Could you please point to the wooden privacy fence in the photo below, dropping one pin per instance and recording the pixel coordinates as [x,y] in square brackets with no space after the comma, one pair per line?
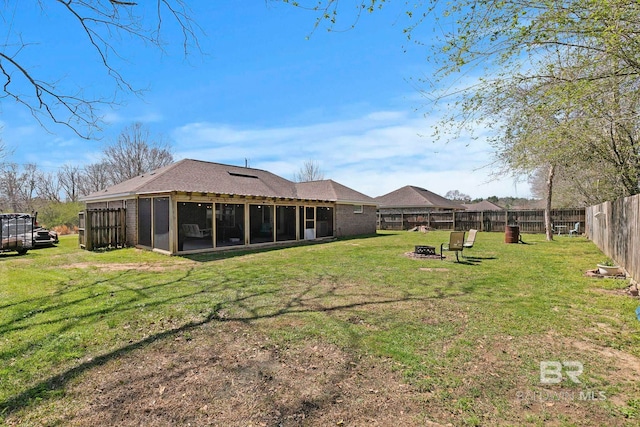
[102,228]
[615,228]
[529,220]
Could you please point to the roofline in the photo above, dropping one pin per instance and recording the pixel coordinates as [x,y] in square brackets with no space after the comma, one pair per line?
[420,207]
[110,197]
[356,202]
[133,195]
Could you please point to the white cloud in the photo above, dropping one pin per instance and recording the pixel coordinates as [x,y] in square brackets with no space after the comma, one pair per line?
[374,154]
[113,118]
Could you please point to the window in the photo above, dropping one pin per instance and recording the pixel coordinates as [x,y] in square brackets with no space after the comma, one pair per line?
[324,222]
[309,223]
[194,226]
[285,223]
[144,222]
[261,223]
[229,224]
[300,222]
[161,223]
[358,209]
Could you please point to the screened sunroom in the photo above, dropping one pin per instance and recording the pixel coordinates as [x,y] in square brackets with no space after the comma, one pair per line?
[193,206]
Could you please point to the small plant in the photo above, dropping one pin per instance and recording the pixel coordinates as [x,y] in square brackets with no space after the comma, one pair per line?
[608,267]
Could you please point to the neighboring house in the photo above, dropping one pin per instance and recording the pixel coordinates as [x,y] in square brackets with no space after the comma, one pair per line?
[484,205]
[414,198]
[410,206]
[195,206]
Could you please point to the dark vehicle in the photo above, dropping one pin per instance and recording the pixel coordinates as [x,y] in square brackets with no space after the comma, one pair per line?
[16,232]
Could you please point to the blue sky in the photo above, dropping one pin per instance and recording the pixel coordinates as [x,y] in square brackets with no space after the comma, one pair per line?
[266,88]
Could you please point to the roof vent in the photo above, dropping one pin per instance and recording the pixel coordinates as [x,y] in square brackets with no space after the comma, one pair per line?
[242,175]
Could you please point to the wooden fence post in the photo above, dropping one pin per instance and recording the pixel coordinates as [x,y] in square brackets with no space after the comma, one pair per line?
[81,229]
[88,231]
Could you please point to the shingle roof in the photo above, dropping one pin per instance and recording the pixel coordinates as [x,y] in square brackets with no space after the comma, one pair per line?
[331,190]
[415,197]
[484,205]
[198,176]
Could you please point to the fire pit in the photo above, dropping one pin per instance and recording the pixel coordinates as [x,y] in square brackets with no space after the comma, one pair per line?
[425,250]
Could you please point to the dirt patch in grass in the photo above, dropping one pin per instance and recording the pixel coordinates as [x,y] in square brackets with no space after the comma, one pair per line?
[500,382]
[623,366]
[228,374]
[620,292]
[231,373]
[630,290]
[176,265]
[414,255]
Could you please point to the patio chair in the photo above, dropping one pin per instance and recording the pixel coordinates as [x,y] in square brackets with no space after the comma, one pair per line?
[575,229]
[193,230]
[456,244]
[471,239]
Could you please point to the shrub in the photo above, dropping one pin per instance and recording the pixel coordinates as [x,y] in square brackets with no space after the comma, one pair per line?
[56,214]
[65,229]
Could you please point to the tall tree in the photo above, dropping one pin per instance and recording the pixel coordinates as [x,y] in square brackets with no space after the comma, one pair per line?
[135,152]
[69,182]
[3,152]
[457,196]
[94,177]
[536,125]
[18,187]
[105,27]
[48,186]
[581,55]
[310,171]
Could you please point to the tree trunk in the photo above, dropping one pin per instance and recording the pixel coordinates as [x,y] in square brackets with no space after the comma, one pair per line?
[547,209]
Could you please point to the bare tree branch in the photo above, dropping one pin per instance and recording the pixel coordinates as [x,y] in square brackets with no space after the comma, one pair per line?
[135,152]
[103,23]
[310,171]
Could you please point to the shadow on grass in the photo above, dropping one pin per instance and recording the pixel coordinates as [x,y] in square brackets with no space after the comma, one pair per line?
[468,261]
[11,255]
[313,297]
[471,260]
[479,258]
[10,326]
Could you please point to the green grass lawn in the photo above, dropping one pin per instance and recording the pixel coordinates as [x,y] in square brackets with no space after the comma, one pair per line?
[467,338]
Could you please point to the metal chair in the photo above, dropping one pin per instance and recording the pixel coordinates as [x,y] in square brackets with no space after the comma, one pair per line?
[456,244]
[575,229]
[471,239]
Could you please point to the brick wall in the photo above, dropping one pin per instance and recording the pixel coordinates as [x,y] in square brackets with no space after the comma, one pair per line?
[349,223]
[132,222]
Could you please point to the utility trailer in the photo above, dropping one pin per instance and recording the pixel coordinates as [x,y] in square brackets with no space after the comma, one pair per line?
[16,232]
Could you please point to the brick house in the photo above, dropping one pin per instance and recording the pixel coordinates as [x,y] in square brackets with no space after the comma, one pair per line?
[197,206]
